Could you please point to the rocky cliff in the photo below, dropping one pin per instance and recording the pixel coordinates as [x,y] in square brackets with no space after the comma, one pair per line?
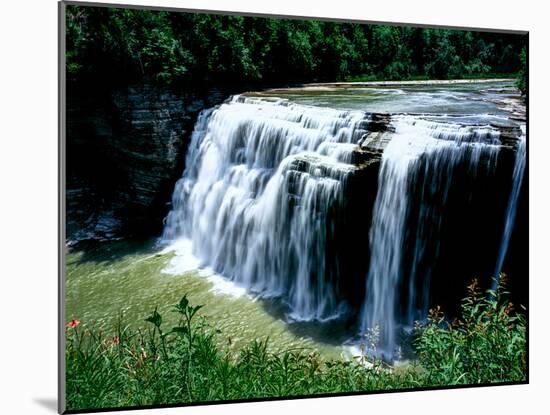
[125,150]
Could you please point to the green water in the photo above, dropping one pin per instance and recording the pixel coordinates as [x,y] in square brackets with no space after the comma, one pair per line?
[126,278]
[472,98]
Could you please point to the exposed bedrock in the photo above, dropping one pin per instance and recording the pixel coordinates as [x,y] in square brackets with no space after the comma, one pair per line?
[125,150]
[371,217]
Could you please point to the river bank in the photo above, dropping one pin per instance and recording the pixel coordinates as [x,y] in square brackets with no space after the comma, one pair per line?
[160,365]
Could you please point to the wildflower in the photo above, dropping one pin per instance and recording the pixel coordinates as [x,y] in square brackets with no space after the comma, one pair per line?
[73,324]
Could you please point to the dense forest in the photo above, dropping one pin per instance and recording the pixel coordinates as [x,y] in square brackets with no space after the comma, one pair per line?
[124,45]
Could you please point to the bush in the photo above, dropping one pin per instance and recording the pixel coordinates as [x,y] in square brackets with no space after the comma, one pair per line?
[486,344]
[521,81]
[185,364]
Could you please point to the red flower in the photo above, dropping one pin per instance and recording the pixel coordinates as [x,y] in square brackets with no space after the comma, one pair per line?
[73,324]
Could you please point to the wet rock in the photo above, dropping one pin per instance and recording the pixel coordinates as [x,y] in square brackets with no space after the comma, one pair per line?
[125,150]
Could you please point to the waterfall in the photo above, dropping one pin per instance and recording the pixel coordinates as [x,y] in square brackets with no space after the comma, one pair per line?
[266,182]
[263,179]
[418,167]
[517,179]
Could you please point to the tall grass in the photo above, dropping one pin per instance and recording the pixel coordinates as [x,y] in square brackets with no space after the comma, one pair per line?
[160,365]
[487,343]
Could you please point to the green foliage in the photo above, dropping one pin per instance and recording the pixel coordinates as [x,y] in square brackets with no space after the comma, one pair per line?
[486,344]
[121,45]
[521,81]
[185,364]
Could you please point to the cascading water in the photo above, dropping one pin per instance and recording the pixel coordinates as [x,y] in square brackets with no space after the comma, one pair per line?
[517,179]
[262,180]
[266,182]
[417,168]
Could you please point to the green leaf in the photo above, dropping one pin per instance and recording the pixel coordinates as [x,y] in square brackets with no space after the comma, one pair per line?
[179,330]
[184,302]
[155,318]
[194,310]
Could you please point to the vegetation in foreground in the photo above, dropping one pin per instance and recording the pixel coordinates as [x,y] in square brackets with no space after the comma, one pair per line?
[161,365]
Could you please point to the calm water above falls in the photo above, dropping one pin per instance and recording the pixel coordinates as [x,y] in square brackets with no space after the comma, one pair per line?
[477,100]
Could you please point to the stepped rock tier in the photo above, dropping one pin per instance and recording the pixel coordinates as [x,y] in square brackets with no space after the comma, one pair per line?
[366,217]
[362,205]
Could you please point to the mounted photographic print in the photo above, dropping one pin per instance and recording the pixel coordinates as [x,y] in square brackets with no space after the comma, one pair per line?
[275,207]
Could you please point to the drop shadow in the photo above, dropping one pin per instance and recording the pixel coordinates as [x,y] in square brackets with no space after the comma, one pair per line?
[48,403]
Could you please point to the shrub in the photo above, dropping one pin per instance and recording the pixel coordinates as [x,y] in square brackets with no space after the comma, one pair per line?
[521,80]
[185,364]
[486,344]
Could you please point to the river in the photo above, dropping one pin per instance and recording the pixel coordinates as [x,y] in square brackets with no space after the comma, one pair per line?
[259,231]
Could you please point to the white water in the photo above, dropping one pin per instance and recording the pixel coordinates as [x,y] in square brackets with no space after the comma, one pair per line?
[185,262]
[255,198]
[419,161]
[253,209]
[517,179]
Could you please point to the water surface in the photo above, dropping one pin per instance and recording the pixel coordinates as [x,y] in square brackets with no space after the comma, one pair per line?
[131,278]
[128,278]
[478,99]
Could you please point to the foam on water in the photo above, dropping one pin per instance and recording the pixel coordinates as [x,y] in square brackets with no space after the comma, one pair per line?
[417,168]
[184,262]
[254,209]
[255,200]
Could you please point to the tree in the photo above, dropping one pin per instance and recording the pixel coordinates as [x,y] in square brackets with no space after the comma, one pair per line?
[117,45]
[521,81]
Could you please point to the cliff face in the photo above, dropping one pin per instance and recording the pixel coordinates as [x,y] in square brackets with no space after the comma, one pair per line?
[125,150]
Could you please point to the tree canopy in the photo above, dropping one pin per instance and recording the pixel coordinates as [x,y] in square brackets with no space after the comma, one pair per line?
[127,45]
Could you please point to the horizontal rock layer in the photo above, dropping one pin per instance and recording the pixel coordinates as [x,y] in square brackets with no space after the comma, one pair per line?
[125,150]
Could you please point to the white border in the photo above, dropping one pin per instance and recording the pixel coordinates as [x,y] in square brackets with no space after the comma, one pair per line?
[28,163]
